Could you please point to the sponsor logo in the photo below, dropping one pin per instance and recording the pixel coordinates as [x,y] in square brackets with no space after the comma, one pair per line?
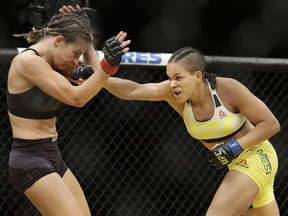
[222,114]
[142,58]
[243,163]
[30,174]
[223,160]
[265,161]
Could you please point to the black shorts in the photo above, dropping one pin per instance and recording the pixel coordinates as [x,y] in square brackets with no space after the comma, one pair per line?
[30,160]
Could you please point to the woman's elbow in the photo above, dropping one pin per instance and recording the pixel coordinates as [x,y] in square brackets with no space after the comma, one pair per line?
[275,126]
[78,102]
[278,126]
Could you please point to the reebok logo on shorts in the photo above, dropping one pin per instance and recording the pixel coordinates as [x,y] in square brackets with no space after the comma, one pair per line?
[243,163]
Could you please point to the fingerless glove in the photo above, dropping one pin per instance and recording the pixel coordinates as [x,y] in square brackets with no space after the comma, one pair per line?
[112,56]
[83,71]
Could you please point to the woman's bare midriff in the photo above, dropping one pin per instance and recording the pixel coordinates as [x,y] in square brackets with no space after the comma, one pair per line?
[33,128]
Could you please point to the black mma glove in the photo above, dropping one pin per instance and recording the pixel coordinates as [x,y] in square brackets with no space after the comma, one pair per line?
[223,154]
[82,71]
[112,56]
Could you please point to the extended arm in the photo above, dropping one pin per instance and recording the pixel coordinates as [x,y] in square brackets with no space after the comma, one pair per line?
[130,90]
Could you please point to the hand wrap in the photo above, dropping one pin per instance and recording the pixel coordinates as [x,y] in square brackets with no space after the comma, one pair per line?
[223,154]
[112,56]
[82,71]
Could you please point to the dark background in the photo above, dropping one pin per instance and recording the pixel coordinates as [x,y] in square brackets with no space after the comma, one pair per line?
[248,28]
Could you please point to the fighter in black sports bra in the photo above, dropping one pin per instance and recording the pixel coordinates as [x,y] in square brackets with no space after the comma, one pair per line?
[33,103]
[27,161]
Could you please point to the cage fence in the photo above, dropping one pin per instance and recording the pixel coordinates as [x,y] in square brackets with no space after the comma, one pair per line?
[135,158]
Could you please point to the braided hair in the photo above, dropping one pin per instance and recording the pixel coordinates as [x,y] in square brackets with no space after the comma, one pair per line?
[193,60]
[70,25]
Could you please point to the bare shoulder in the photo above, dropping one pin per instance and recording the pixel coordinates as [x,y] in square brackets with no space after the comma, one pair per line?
[27,61]
[227,81]
[165,91]
[30,70]
[232,92]
[164,86]
[20,68]
[229,85]
[31,64]
[170,98]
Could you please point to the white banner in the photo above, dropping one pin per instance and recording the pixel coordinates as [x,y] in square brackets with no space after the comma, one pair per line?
[137,58]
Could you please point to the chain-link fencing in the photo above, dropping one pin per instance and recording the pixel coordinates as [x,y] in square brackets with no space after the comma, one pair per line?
[135,158]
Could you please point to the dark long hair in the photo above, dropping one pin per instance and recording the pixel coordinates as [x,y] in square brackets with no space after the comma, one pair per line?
[70,25]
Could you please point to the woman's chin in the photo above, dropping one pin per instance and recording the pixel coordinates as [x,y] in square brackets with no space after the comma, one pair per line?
[180,100]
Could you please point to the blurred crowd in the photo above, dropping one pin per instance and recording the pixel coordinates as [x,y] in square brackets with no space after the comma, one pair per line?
[248,28]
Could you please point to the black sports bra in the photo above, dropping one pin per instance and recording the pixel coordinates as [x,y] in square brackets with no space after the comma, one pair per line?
[33,103]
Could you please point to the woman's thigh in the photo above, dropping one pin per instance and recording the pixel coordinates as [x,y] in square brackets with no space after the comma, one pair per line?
[74,186]
[51,196]
[235,194]
[267,210]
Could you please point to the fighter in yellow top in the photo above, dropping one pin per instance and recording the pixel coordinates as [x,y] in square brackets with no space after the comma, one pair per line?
[229,121]
[222,124]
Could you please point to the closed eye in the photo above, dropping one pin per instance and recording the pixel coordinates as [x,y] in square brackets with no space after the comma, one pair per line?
[76,54]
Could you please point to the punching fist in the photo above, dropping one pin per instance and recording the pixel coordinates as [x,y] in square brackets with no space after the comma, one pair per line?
[223,154]
[82,71]
[113,50]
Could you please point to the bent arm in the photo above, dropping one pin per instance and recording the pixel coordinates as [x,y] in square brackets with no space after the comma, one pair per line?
[91,58]
[257,112]
[38,72]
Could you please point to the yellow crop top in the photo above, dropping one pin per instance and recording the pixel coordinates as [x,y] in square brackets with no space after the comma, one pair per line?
[221,125]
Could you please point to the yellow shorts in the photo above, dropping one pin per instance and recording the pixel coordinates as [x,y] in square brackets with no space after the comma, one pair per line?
[260,162]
